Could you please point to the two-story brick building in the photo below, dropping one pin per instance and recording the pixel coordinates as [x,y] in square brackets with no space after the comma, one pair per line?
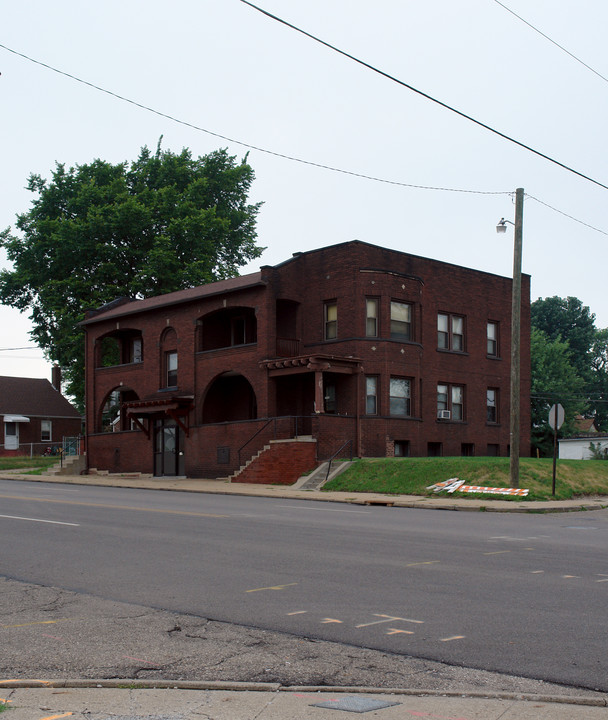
[392,353]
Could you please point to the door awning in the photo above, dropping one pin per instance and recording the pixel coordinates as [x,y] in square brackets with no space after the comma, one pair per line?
[16,418]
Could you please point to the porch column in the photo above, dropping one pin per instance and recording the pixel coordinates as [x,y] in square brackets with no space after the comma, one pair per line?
[319,399]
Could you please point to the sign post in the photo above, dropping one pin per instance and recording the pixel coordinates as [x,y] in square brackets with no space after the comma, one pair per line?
[556,420]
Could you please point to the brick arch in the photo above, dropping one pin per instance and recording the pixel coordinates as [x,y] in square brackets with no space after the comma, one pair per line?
[229,397]
[109,417]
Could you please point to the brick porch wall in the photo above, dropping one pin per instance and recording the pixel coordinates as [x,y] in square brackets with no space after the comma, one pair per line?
[280,463]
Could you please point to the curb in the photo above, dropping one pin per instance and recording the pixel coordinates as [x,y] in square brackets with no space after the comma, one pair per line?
[135,684]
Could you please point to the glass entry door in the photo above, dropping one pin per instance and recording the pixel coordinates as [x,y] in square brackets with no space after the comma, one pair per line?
[168,448]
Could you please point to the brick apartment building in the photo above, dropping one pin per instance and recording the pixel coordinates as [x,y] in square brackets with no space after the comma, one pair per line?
[350,348]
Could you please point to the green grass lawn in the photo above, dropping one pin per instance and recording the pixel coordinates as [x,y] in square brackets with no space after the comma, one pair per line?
[411,476]
[19,462]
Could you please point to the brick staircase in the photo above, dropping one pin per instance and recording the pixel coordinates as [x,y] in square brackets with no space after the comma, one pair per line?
[69,465]
[281,462]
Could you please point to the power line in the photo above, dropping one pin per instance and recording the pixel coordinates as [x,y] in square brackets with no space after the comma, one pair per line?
[245,144]
[425,95]
[284,156]
[561,47]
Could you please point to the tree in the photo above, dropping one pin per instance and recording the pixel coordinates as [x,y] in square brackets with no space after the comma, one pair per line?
[554,380]
[570,320]
[598,384]
[100,231]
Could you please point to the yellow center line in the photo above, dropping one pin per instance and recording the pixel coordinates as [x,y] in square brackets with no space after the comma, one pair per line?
[428,562]
[114,507]
[497,552]
[38,622]
[272,587]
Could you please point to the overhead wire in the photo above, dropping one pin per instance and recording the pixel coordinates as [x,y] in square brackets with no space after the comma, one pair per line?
[561,47]
[285,156]
[249,146]
[392,78]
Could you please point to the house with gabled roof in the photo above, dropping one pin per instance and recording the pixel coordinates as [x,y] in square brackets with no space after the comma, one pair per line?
[351,349]
[34,415]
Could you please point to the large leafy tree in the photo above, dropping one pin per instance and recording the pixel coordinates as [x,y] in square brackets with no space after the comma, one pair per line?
[100,231]
[554,380]
[570,320]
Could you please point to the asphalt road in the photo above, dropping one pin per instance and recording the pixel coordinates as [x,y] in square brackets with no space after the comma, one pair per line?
[520,594]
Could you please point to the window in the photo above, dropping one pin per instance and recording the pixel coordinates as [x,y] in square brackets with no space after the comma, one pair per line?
[492,334]
[450,332]
[402,448]
[371,317]
[400,397]
[46,427]
[401,320]
[171,369]
[450,402]
[331,320]
[493,450]
[467,449]
[135,350]
[371,395]
[492,405]
[434,449]
[329,398]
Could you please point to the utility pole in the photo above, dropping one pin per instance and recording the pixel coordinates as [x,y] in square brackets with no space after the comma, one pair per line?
[514,433]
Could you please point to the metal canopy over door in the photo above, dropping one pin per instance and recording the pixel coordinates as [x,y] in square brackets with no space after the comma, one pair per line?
[168,448]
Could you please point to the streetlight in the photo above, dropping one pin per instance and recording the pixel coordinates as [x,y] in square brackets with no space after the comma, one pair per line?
[514,430]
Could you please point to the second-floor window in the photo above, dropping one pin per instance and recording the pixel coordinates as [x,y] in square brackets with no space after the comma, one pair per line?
[450,332]
[450,402]
[331,320]
[371,317]
[171,369]
[401,320]
[492,339]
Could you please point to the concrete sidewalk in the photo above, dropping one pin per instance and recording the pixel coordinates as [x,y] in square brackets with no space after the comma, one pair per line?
[441,501]
[122,700]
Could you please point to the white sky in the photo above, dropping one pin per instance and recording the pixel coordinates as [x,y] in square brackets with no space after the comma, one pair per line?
[223,66]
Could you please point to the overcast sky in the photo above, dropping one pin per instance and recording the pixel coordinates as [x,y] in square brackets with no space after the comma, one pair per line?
[224,67]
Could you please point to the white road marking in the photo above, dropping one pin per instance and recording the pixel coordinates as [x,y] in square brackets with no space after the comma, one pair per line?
[51,522]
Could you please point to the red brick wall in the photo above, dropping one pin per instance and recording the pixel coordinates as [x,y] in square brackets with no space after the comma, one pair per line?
[280,463]
[347,273]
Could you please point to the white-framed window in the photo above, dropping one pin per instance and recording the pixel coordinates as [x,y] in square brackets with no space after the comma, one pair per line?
[371,395]
[492,339]
[46,430]
[450,332]
[171,369]
[331,320]
[492,405]
[450,402]
[400,397]
[371,317]
[401,320]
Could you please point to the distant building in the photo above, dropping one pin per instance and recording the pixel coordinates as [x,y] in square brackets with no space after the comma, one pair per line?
[353,348]
[35,415]
[578,447]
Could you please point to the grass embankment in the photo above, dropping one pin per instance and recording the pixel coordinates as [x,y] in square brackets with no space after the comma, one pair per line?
[37,463]
[411,476]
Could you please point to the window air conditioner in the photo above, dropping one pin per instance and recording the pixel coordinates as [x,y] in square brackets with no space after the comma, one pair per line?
[444,414]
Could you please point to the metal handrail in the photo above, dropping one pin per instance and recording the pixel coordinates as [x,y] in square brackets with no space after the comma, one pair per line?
[255,435]
[331,459]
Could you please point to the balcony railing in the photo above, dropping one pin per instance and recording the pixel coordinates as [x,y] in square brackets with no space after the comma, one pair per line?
[288,347]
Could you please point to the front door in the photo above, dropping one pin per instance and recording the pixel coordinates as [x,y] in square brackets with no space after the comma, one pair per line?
[11,436]
[168,448]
